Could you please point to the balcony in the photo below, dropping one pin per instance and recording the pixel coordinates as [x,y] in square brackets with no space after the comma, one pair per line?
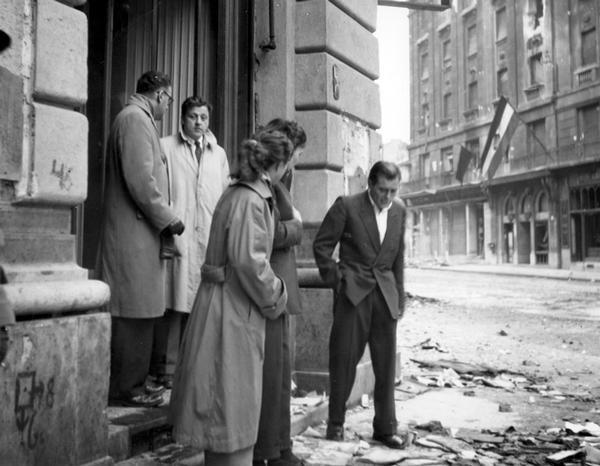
[586,75]
[438,181]
[565,155]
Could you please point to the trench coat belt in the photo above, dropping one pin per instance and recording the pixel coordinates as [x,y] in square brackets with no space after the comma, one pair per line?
[213,273]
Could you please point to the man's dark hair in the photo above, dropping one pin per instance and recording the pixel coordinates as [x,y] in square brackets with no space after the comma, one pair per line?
[290,128]
[152,81]
[388,170]
[194,101]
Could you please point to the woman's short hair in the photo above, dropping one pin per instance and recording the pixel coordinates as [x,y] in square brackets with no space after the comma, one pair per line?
[290,128]
[262,151]
[388,170]
[152,81]
[192,102]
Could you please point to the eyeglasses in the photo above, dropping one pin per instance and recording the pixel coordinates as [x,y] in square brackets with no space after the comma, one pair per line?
[167,94]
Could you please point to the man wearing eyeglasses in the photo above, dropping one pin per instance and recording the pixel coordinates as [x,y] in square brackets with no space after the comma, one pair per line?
[137,216]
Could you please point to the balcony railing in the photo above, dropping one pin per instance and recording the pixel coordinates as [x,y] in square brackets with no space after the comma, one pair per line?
[564,155]
[437,181]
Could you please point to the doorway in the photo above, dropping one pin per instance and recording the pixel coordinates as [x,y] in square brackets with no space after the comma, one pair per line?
[204,45]
[524,242]
[509,243]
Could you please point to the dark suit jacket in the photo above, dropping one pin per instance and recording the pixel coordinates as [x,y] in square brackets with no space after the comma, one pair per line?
[363,262]
[288,233]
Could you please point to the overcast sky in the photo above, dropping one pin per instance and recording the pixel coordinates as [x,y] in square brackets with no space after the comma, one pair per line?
[392,32]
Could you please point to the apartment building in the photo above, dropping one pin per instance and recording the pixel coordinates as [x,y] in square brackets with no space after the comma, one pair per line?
[542,205]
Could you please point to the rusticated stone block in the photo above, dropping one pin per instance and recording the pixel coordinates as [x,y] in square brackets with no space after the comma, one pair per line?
[60,156]
[324,82]
[54,390]
[321,26]
[314,191]
[312,330]
[324,146]
[364,11]
[61,53]
[28,248]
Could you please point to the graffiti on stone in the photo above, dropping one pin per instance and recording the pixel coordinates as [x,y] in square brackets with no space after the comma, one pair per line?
[63,174]
[31,397]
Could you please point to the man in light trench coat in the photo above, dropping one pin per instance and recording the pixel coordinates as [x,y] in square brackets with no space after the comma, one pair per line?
[136,215]
[199,173]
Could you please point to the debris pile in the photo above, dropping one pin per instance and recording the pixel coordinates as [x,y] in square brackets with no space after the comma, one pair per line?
[432,444]
[459,374]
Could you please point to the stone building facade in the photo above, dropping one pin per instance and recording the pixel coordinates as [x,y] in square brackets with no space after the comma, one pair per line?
[540,207]
[68,71]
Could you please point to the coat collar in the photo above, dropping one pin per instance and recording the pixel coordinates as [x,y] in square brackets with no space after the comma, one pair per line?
[209,139]
[262,186]
[142,102]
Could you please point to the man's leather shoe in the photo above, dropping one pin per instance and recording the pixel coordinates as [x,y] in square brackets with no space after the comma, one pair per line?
[391,441]
[335,433]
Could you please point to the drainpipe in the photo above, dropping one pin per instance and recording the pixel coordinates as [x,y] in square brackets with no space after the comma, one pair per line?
[270,45]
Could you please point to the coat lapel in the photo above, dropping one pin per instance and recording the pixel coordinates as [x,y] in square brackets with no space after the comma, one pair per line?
[390,233]
[368,218]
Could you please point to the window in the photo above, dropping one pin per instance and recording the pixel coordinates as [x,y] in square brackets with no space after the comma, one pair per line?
[542,202]
[471,39]
[502,82]
[446,58]
[472,145]
[536,70]
[446,53]
[526,204]
[536,137]
[424,115]
[509,205]
[472,95]
[588,123]
[424,166]
[424,65]
[501,24]
[588,47]
[447,160]
[535,12]
[589,42]
[447,106]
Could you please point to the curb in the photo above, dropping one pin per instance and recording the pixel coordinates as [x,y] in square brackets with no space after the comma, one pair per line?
[566,275]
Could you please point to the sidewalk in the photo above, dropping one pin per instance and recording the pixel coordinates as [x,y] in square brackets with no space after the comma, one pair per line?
[526,270]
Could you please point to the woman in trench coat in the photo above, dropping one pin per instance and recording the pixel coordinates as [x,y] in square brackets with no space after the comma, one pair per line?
[215,403]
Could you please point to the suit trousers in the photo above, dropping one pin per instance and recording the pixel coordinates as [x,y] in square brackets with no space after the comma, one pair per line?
[274,423]
[353,327]
[130,354]
[168,334]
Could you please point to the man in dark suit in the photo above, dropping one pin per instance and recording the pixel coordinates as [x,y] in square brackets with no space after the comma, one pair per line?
[369,294]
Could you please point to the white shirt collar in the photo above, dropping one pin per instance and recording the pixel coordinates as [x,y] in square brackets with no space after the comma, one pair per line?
[377,210]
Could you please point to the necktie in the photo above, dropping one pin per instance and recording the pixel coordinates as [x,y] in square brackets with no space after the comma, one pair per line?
[198,151]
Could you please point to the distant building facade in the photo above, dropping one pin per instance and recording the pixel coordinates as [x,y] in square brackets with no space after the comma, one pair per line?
[542,206]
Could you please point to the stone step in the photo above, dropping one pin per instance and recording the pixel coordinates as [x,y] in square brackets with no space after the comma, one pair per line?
[142,436]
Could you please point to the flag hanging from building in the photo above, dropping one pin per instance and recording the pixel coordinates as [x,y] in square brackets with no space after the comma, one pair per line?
[464,158]
[502,128]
